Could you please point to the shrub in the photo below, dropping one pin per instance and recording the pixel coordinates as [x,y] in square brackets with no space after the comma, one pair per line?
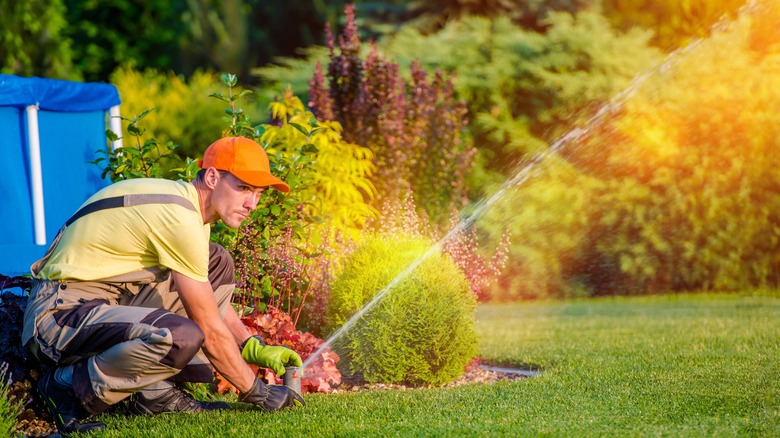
[414,128]
[421,332]
[548,217]
[689,194]
[525,88]
[45,23]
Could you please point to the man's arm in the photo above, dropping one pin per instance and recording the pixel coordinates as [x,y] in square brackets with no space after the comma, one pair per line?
[236,327]
[220,343]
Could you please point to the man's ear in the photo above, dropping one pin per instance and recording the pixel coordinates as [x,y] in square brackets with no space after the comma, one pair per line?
[211,178]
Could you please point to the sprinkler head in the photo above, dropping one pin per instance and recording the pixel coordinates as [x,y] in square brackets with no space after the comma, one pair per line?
[292,378]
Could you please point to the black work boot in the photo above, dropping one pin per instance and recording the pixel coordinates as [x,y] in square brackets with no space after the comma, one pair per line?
[168,399]
[64,407]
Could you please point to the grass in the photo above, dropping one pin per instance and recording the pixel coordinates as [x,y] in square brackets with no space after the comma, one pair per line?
[689,365]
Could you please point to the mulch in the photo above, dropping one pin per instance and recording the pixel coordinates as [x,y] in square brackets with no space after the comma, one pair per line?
[475,374]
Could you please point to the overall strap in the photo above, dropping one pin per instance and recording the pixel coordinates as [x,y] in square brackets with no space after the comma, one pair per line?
[130,201]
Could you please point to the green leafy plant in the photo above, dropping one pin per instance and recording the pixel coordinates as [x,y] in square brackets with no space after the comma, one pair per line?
[144,159]
[687,198]
[421,332]
[674,23]
[46,23]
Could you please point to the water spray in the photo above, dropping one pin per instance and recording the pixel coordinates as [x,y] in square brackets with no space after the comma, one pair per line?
[519,178]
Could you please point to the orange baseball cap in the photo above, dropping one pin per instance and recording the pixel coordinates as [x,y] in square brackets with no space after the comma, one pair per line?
[245,159]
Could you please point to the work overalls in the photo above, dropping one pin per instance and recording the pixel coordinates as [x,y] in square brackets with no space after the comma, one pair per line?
[125,332]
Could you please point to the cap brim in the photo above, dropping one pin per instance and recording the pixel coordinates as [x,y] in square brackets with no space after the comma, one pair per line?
[262,179]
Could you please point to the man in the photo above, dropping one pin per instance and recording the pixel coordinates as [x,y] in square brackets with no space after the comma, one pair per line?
[131,297]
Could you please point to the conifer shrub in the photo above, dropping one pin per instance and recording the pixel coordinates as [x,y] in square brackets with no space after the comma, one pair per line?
[421,332]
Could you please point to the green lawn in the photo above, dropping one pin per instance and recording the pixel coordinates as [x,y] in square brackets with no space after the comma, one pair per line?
[691,365]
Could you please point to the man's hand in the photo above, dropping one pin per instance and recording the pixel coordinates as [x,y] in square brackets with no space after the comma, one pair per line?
[276,358]
[271,397]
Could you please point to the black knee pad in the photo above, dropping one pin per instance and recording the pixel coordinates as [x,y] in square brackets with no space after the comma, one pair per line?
[187,337]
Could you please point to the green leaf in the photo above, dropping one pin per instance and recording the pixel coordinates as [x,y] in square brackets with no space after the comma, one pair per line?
[229,79]
[219,96]
[309,148]
[300,128]
[143,114]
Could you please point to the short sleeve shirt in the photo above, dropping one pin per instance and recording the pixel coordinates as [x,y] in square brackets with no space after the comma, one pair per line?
[122,240]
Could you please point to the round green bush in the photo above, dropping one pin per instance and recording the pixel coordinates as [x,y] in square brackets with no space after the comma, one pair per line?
[421,332]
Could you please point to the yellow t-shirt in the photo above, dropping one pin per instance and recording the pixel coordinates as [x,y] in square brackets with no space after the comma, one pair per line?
[122,240]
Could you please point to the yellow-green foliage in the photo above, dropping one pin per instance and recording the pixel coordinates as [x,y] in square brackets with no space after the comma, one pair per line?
[674,22]
[691,194]
[184,113]
[422,331]
[341,170]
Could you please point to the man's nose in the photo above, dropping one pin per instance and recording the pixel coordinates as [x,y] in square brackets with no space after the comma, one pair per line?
[252,201]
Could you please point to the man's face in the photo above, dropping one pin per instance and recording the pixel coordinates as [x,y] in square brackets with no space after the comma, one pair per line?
[234,199]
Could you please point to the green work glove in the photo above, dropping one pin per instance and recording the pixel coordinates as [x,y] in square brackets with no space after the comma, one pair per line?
[276,357]
[271,397]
